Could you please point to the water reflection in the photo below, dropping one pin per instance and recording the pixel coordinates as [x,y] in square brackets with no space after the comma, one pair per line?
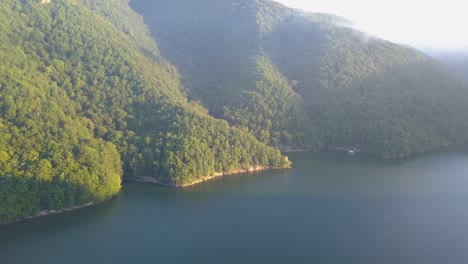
[330,208]
[56,224]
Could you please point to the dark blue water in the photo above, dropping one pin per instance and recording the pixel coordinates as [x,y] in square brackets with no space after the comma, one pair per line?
[330,208]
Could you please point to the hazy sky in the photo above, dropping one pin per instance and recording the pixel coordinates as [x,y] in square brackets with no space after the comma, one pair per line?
[423,24]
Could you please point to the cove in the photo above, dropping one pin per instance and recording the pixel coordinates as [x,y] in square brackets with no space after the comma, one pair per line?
[330,208]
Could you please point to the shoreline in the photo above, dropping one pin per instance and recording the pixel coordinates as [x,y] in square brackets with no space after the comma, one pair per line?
[145,179]
[148,179]
[293,149]
[54,212]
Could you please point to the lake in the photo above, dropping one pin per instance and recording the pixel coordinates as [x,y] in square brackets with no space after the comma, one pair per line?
[330,208]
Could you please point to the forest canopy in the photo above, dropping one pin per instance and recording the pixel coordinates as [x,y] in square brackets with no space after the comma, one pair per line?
[307,80]
[86,99]
[89,96]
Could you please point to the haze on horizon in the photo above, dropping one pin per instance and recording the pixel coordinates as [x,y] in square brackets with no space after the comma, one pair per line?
[430,24]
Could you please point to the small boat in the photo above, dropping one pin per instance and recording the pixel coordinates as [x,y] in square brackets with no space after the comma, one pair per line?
[351,152]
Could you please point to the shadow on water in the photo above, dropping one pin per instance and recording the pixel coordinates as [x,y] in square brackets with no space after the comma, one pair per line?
[57,223]
[208,191]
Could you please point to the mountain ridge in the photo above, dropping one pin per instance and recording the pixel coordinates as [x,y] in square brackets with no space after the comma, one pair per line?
[91,95]
[288,76]
[86,99]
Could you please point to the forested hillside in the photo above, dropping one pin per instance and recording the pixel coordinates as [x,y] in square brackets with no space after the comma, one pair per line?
[306,80]
[85,97]
[89,96]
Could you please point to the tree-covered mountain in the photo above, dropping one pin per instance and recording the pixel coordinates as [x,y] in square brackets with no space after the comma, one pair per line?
[85,97]
[89,95]
[308,80]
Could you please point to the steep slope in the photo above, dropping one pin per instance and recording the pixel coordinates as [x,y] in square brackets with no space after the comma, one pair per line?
[49,158]
[85,93]
[308,80]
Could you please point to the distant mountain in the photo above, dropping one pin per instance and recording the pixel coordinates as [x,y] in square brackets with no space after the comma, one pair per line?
[457,61]
[307,80]
[85,97]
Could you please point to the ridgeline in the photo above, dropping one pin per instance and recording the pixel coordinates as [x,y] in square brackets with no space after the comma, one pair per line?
[90,96]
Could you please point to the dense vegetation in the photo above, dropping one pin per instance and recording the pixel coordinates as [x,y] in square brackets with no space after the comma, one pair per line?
[85,97]
[308,80]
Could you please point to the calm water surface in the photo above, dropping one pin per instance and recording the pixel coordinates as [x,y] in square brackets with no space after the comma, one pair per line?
[330,208]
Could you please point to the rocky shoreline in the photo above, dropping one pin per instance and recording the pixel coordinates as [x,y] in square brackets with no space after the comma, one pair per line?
[148,179]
